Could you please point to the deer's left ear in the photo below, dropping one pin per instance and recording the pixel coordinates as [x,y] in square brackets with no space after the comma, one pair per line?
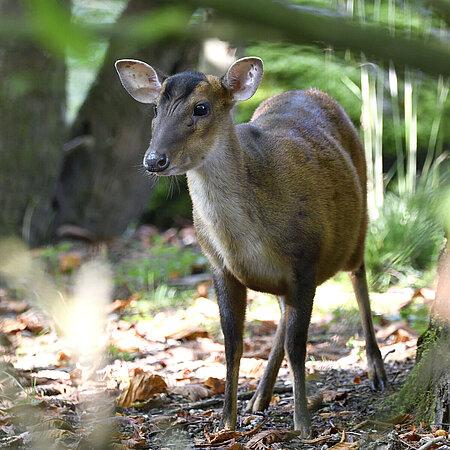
[139,79]
[243,77]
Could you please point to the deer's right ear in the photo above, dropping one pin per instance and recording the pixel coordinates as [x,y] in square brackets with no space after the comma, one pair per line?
[139,79]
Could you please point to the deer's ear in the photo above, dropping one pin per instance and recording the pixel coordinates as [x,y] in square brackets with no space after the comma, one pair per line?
[139,79]
[243,77]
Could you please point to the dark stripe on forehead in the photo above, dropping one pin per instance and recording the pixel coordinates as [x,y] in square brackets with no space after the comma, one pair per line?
[182,84]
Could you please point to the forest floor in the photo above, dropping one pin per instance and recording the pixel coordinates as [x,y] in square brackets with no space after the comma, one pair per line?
[81,371]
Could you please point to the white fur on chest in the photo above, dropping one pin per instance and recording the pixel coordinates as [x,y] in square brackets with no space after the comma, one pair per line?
[238,245]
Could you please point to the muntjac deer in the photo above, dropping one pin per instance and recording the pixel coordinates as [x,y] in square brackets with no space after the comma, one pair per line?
[279,205]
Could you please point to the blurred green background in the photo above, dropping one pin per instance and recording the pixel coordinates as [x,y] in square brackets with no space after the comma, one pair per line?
[72,140]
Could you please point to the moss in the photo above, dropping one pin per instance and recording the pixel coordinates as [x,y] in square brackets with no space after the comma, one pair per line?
[420,394]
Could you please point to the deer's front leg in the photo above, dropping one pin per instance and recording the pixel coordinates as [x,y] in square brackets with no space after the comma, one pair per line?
[231,297]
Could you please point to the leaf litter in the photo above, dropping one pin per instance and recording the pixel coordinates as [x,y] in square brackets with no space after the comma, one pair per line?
[160,382]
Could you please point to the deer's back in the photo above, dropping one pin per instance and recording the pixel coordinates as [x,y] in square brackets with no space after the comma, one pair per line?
[306,169]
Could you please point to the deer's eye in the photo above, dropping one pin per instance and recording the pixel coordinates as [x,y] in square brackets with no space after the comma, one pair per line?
[201,109]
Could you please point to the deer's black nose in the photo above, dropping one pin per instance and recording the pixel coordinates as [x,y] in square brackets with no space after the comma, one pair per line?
[155,162]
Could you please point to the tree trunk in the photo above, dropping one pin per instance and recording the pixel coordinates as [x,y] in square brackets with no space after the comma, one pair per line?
[32,131]
[427,390]
[101,189]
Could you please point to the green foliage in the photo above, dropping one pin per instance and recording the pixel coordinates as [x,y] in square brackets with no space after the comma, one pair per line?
[288,67]
[50,23]
[417,315]
[162,263]
[50,255]
[162,298]
[114,353]
[403,242]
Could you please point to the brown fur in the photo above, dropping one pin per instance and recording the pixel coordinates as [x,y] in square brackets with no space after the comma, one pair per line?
[279,206]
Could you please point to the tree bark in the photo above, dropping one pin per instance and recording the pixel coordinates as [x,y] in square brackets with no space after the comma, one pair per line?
[427,390]
[101,189]
[32,131]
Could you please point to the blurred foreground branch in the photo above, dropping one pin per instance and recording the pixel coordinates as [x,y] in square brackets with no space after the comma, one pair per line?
[271,20]
[259,19]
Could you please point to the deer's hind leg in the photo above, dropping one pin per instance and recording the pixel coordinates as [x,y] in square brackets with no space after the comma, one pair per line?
[375,365]
[263,394]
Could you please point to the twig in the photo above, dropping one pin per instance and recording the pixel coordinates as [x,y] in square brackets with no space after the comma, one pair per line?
[431,442]
[388,353]
[405,443]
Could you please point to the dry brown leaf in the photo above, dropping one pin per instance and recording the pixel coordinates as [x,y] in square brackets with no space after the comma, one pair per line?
[438,433]
[32,320]
[335,414]
[12,325]
[222,436]
[121,304]
[345,446]
[228,436]
[319,440]
[62,358]
[69,261]
[252,367]
[217,386]
[194,392]
[189,334]
[394,329]
[236,446]
[268,437]
[247,419]
[333,396]
[29,320]
[202,289]
[411,436]
[275,400]
[315,402]
[141,388]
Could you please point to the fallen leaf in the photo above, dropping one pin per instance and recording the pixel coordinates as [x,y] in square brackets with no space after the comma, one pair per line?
[345,446]
[189,334]
[319,440]
[194,392]
[411,436]
[227,435]
[62,358]
[12,325]
[275,400]
[335,414]
[269,437]
[69,261]
[141,388]
[252,367]
[236,446]
[202,289]
[438,433]
[76,377]
[121,304]
[246,420]
[217,386]
[394,328]
[333,396]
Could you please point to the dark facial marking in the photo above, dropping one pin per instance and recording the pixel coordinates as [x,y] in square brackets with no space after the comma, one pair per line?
[181,85]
